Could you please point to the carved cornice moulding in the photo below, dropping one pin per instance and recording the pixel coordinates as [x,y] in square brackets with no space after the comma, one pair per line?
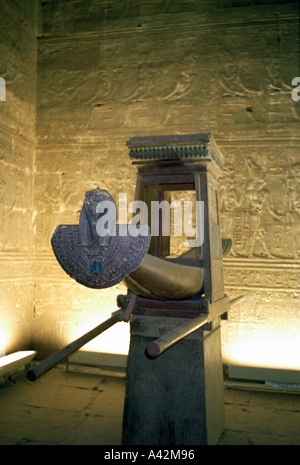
[261,274]
[227,262]
[112,141]
[190,147]
[23,140]
[293,141]
[29,139]
[113,29]
[246,274]
[242,262]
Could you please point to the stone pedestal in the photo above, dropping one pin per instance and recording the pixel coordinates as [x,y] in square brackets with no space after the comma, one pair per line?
[176,399]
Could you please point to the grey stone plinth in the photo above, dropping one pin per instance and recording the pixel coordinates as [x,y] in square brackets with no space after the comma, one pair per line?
[178,397]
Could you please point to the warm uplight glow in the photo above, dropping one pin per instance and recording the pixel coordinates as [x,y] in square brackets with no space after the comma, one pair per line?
[9,337]
[2,342]
[113,341]
[12,362]
[89,310]
[275,350]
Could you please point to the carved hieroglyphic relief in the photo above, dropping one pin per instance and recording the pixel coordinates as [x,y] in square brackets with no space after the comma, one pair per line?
[18,51]
[259,206]
[114,70]
[256,92]
[259,210]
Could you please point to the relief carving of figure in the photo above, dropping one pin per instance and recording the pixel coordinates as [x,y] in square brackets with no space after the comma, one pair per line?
[255,234]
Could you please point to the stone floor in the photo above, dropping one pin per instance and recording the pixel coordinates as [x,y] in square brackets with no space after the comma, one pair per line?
[69,408]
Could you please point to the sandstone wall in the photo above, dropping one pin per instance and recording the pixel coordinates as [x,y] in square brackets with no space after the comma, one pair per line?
[109,71]
[18,67]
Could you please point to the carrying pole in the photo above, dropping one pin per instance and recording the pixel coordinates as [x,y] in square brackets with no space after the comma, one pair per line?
[156,348]
[65,352]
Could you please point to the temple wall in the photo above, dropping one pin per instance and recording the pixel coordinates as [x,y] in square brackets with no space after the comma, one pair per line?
[18,69]
[111,71]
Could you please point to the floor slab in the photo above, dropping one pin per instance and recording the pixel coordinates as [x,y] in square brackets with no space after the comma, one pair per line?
[66,408]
